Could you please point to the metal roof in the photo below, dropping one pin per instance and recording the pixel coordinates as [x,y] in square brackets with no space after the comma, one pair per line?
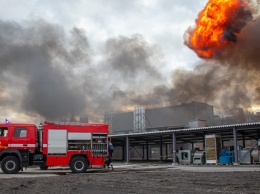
[191,135]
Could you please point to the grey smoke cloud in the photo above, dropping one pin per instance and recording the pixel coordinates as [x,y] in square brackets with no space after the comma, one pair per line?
[131,56]
[46,72]
[38,58]
[130,69]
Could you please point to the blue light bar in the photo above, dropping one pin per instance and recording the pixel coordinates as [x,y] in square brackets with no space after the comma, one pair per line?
[7,121]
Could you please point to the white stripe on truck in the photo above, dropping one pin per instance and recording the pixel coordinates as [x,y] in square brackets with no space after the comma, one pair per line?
[21,145]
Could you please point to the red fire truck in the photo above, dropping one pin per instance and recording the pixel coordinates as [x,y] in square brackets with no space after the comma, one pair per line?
[77,145]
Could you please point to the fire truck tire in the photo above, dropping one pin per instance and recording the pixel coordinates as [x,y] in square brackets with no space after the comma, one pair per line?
[78,164]
[43,167]
[10,165]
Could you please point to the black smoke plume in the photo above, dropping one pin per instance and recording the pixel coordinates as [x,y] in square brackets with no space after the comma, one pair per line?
[37,62]
[48,73]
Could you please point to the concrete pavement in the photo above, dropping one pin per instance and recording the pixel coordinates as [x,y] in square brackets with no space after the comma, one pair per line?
[118,166]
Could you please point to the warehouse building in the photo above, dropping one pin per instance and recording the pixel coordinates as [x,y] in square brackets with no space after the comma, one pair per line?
[185,130]
[142,119]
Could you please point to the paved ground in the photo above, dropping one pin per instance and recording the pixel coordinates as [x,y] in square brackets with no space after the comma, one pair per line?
[136,178]
[198,168]
[118,167]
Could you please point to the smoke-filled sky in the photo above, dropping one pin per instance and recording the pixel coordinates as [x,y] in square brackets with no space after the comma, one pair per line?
[59,58]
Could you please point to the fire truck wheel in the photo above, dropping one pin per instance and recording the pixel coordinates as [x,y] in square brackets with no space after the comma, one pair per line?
[78,164]
[43,167]
[10,165]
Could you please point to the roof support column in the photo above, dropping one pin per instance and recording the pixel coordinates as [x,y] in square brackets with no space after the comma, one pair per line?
[143,152]
[235,145]
[166,151]
[123,152]
[204,142]
[161,144]
[127,149]
[174,158]
[147,151]
[244,141]
[222,144]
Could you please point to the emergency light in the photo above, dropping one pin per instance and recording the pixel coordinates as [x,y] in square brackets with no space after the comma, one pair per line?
[7,121]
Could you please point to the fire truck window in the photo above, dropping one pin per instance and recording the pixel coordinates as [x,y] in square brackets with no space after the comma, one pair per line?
[20,132]
[3,132]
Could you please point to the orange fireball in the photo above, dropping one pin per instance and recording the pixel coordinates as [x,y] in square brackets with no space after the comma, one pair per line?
[217,26]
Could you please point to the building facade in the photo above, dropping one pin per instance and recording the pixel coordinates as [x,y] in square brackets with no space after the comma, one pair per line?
[142,120]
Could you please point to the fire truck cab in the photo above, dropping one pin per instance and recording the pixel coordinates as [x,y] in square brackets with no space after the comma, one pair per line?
[77,145]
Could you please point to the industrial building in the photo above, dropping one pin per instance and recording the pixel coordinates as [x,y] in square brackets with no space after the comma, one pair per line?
[142,119]
[163,145]
[185,133]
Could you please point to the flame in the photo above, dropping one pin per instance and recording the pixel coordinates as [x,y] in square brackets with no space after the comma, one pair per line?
[254,108]
[127,108]
[217,26]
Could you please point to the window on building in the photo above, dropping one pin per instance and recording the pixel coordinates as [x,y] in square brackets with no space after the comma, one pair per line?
[20,132]
[3,132]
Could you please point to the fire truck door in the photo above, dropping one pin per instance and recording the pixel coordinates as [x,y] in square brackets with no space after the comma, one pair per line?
[57,142]
[19,138]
